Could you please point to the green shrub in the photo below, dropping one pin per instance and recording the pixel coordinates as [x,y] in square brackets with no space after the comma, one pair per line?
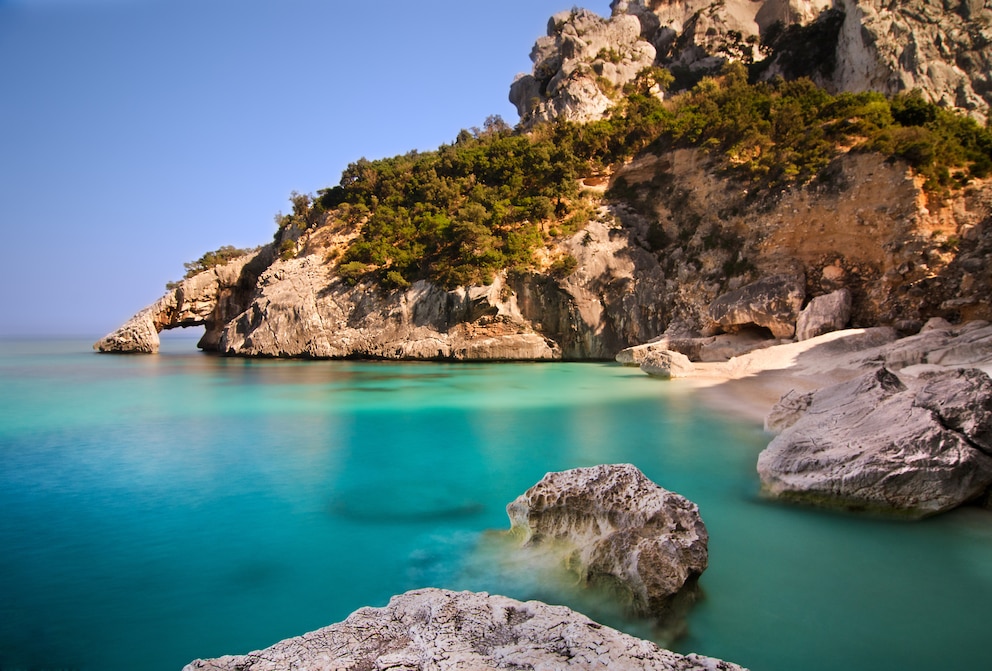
[564,266]
[489,200]
[218,257]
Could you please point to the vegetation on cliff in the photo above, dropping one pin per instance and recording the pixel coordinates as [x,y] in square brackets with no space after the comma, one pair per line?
[212,259]
[493,198]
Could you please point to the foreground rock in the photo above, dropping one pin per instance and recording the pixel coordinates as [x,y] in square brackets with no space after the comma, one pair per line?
[441,630]
[618,529]
[911,446]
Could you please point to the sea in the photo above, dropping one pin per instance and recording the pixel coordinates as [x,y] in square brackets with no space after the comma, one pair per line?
[158,509]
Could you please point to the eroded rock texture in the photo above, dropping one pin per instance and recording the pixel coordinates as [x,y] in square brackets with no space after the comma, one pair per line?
[437,630]
[939,47]
[772,302]
[617,528]
[913,446]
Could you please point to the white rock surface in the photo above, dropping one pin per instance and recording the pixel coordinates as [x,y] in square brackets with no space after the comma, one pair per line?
[771,302]
[916,447]
[614,526]
[438,630]
[830,312]
[667,364]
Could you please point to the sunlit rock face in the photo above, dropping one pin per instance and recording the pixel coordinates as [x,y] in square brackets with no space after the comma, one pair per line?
[885,443]
[579,65]
[616,528]
[440,630]
[941,48]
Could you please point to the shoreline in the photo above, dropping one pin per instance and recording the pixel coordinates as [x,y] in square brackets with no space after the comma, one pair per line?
[749,385]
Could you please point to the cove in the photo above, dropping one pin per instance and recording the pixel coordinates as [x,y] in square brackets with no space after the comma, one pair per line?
[158,509]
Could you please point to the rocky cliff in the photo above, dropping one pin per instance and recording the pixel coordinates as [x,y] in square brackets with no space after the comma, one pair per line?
[673,242]
[665,259]
[941,48]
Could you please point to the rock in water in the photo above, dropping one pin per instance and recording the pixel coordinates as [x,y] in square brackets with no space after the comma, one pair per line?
[874,443]
[620,530]
[441,630]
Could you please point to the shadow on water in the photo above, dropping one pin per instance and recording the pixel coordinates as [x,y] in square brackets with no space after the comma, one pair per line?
[405,502]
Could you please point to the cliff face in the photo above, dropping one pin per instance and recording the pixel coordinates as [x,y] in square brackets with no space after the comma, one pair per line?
[677,236]
[653,263]
[941,48]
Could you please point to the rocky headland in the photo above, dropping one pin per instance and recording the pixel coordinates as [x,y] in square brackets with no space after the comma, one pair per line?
[786,202]
[633,246]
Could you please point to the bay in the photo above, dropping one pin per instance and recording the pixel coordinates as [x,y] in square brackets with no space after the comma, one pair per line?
[155,509]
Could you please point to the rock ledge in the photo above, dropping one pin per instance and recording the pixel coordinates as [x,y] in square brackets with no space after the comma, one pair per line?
[442,630]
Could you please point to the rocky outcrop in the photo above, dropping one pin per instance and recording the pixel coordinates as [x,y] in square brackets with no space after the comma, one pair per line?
[772,302]
[579,64]
[667,364]
[618,529]
[210,299]
[941,48]
[824,314]
[438,630]
[871,237]
[910,446]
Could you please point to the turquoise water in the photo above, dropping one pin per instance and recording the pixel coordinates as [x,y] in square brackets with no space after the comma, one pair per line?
[158,509]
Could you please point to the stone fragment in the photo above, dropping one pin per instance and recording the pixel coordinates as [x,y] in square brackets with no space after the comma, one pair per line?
[772,302]
[873,443]
[824,314]
[618,529]
[667,364]
[439,630]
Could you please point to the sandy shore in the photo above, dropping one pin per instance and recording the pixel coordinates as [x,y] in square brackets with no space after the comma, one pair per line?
[749,385]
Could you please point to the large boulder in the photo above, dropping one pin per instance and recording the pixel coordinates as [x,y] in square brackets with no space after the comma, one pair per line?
[914,446]
[438,630]
[618,529]
[667,364]
[824,314]
[772,302]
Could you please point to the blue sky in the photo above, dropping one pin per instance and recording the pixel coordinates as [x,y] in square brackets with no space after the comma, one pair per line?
[137,134]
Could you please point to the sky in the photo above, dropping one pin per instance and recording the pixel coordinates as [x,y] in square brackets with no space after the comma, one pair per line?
[135,135]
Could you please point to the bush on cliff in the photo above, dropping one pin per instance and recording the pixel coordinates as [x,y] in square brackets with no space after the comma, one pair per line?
[488,201]
[217,257]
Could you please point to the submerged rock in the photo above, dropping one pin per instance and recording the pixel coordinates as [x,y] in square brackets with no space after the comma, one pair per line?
[618,529]
[442,630]
[913,446]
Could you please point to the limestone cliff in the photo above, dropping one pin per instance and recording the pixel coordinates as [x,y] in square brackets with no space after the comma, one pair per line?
[941,48]
[653,263]
[671,244]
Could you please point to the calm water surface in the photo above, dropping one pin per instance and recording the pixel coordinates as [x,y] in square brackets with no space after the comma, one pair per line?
[158,509]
